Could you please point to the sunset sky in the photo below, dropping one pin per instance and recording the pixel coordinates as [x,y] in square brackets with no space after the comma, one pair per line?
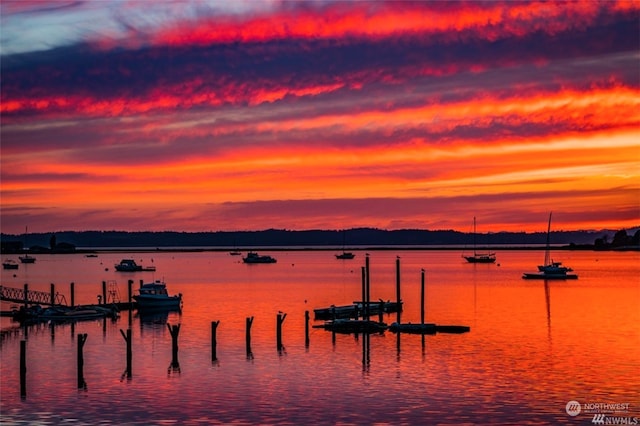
[247,115]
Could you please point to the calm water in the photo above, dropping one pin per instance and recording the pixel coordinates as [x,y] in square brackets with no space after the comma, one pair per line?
[533,347]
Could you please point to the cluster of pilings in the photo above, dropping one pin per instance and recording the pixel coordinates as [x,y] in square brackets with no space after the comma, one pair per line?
[174,366]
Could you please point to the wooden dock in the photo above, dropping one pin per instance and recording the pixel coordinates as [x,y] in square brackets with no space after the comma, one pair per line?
[427,328]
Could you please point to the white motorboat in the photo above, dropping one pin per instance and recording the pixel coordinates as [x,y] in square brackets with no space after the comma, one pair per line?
[154,295]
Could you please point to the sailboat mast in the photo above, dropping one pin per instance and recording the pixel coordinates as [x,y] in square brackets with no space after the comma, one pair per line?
[474,236]
[547,254]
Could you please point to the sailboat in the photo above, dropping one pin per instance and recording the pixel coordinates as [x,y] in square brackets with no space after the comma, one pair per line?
[550,269]
[488,257]
[26,258]
[345,254]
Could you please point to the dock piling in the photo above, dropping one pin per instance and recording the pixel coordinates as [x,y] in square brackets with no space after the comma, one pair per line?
[104,293]
[214,341]
[421,298]
[364,292]
[175,331]
[279,320]
[398,287]
[306,329]
[368,289]
[127,339]
[249,322]
[72,290]
[82,338]
[53,294]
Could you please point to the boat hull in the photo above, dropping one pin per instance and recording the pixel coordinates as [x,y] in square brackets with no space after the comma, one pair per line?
[480,259]
[172,302]
[345,255]
[543,276]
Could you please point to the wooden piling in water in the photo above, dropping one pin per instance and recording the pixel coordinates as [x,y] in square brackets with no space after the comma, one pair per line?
[104,292]
[82,338]
[72,290]
[249,322]
[52,294]
[421,298]
[279,320]
[398,287]
[306,329]
[364,290]
[23,368]
[175,331]
[127,339]
[214,341]
[26,295]
[368,288]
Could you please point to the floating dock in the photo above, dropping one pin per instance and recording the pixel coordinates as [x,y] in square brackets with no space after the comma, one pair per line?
[348,326]
[427,328]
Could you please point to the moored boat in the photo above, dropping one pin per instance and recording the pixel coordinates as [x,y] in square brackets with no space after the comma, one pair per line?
[253,257]
[550,270]
[345,255]
[10,264]
[488,257]
[27,259]
[61,313]
[154,295]
[130,265]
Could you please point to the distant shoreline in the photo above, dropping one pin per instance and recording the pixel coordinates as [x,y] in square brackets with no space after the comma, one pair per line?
[277,239]
[91,250]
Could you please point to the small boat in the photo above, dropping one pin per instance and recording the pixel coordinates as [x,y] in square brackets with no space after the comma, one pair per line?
[90,255]
[253,257]
[130,265]
[550,270]
[27,259]
[10,264]
[345,255]
[235,253]
[76,314]
[488,257]
[154,295]
[60,313]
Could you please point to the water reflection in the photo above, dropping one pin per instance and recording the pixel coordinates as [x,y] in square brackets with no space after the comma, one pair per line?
[502,373]
[156,315]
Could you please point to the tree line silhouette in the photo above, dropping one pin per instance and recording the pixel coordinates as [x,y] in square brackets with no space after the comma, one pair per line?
[356,237]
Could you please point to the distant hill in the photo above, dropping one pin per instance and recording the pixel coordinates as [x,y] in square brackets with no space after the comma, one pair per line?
[368,237]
